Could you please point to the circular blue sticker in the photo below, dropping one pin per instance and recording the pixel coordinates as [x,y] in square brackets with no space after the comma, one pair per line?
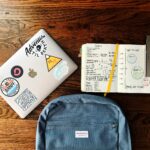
[10,87]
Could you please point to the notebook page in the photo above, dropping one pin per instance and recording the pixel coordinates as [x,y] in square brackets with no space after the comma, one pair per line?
[96,67]
[131,68]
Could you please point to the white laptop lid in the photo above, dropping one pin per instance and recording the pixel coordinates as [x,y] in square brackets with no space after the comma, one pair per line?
[33,72]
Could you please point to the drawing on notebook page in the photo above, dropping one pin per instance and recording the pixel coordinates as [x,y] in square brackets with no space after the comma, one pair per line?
[137,72]
[131,58]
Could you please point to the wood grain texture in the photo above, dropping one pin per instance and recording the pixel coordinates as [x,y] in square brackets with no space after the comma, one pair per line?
[72,23]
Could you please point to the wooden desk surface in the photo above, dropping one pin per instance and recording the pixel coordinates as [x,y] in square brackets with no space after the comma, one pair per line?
[72,23]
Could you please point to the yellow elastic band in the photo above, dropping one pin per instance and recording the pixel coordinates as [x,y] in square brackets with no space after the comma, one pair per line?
[112,69]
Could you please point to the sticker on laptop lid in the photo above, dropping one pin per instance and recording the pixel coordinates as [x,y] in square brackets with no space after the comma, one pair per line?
[37,48]
[61,70]
[25,99]
[10,87]
[17,71]
[51,61]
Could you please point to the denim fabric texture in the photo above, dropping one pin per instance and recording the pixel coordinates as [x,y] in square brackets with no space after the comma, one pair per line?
[82,122]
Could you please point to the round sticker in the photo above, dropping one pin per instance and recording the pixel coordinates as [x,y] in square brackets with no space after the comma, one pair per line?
[17,71]
[10,87]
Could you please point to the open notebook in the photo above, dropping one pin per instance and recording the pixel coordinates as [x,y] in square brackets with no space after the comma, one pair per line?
[130,68]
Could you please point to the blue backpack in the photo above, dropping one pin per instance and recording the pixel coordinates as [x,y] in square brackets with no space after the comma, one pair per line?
[82,122]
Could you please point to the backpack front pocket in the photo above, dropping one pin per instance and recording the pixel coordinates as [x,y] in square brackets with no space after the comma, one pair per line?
[82,136]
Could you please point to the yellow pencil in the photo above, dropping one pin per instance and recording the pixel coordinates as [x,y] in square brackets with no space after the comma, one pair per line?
[112,70]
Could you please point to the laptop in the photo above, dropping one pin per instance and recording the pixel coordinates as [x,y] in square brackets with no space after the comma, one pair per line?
[33,72]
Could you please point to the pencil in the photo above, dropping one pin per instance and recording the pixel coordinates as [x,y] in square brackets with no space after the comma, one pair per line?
[112,70]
